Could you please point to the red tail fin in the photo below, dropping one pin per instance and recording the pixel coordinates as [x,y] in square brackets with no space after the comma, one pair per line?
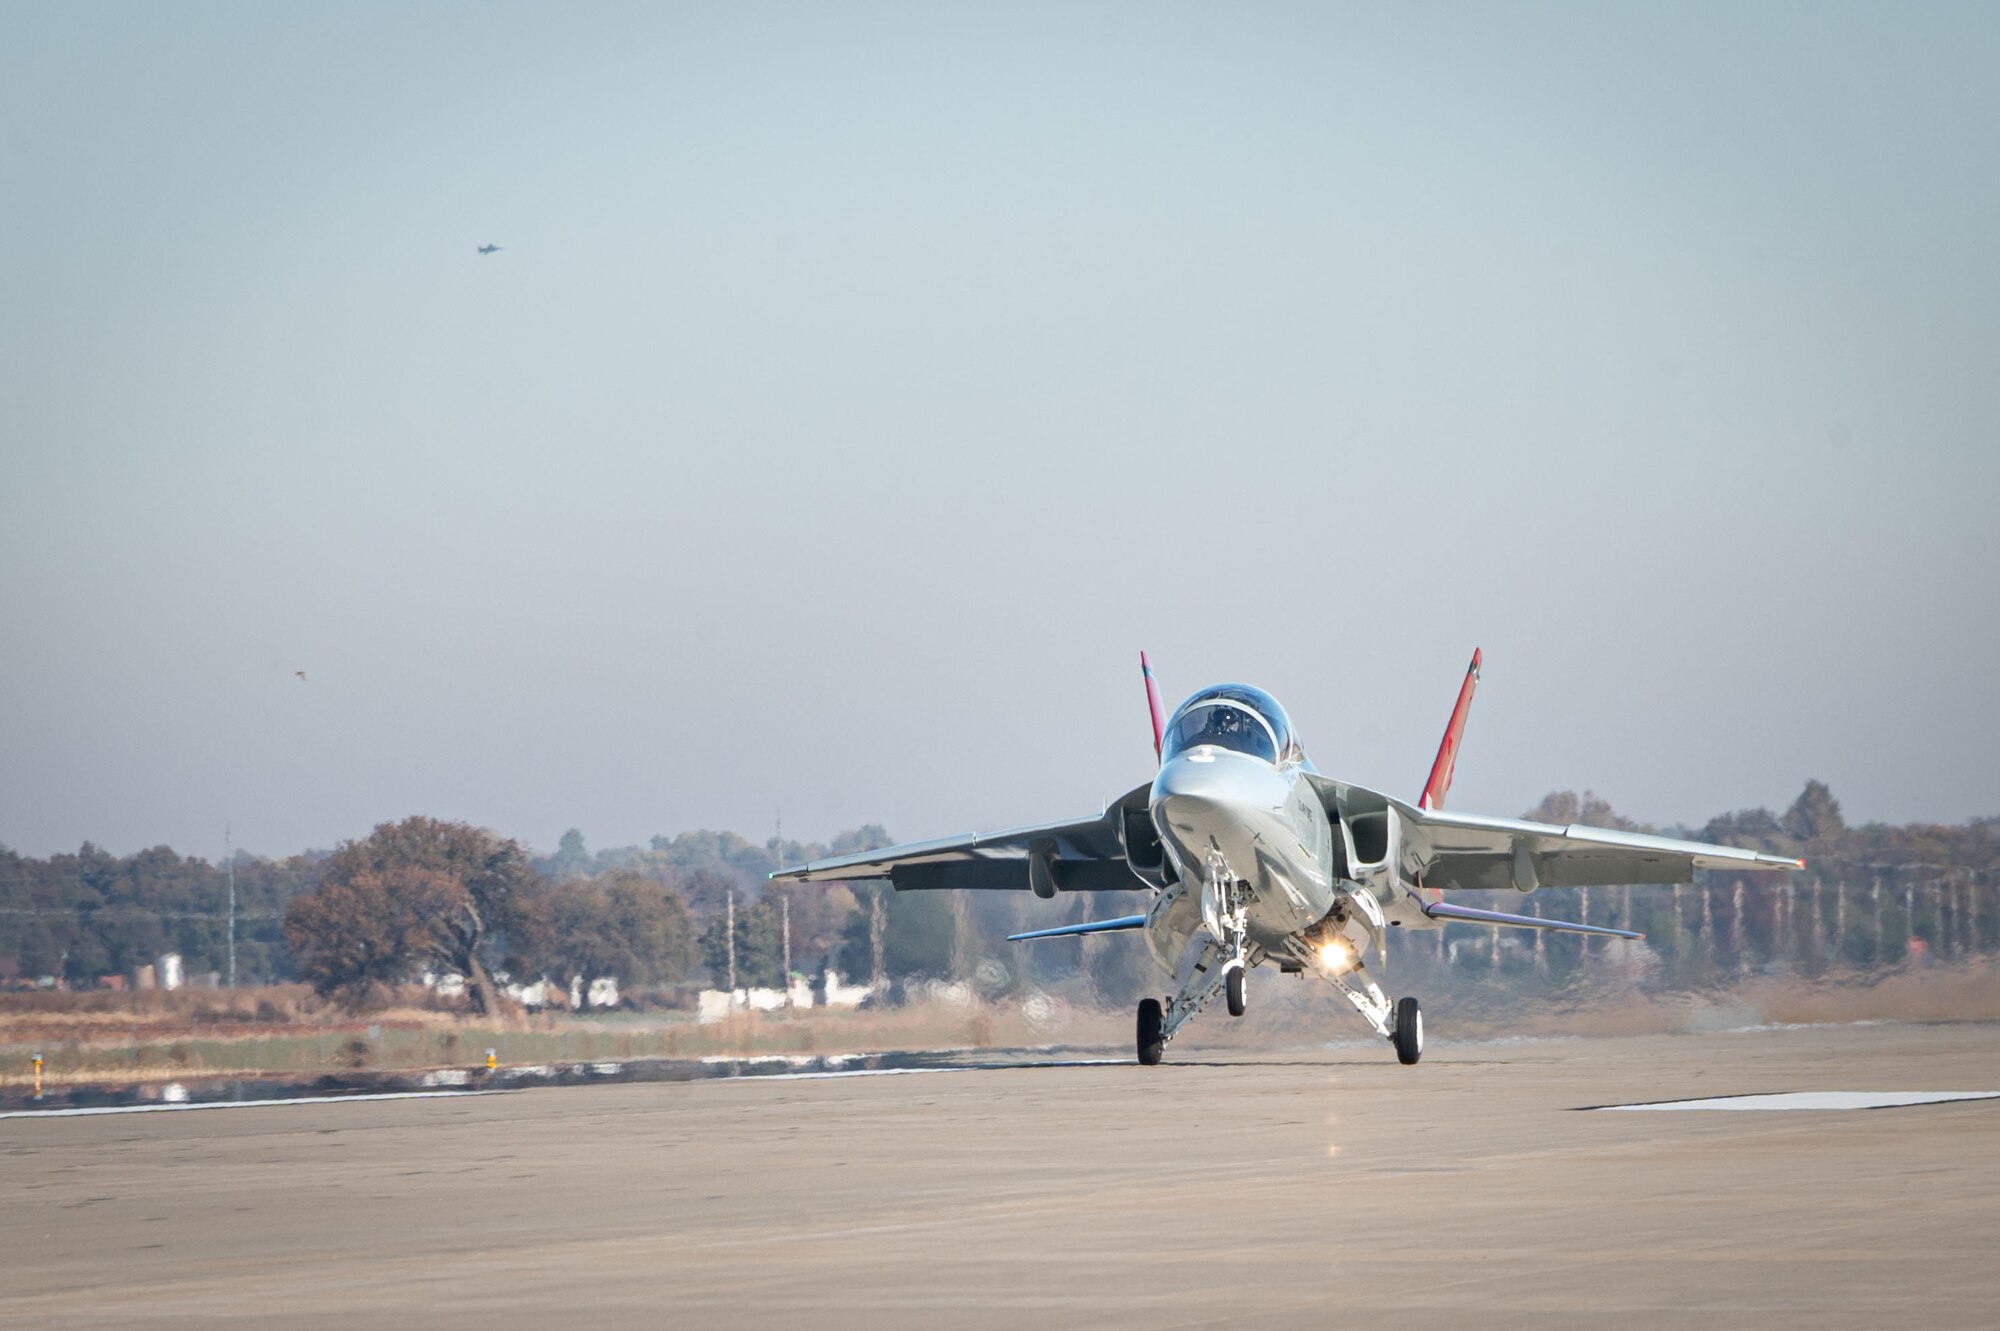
[1153,701]
[1447,758]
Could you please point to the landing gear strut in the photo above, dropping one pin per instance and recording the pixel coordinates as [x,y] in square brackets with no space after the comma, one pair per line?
[1354,985]
[1225,911]
[1208,972]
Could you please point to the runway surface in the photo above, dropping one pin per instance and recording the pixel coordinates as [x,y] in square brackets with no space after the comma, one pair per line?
[1327,1189]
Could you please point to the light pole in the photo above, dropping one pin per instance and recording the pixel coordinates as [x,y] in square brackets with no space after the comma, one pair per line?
[229,850]
[729,929]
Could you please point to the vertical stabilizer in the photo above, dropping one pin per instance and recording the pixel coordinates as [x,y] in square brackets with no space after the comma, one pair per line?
[1447,759]
[1153,702]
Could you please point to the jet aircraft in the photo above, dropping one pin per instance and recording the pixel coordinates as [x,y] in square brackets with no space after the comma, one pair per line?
[489,249]
[1250,855]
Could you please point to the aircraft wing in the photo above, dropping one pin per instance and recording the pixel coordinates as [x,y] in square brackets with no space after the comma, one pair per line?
[1080,855]
[1468,852]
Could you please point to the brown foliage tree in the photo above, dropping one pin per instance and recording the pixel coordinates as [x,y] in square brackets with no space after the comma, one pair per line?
[443,894]
[359,935]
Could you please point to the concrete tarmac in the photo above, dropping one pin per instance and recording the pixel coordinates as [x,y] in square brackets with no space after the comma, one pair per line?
[1300,1189]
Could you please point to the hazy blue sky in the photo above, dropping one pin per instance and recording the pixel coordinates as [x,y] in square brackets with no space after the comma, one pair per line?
[861,387]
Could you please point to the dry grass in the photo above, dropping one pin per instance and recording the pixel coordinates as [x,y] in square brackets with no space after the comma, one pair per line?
[1958,993]
[110,1014]
[286,1032]
[265,1005]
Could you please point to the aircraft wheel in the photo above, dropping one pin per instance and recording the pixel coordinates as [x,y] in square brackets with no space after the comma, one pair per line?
[1232,986]
[1409,1036]
[1151,1023]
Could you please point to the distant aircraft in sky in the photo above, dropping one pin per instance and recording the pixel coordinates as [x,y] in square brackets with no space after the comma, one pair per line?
[1250,855]
[300,673]
[489,249]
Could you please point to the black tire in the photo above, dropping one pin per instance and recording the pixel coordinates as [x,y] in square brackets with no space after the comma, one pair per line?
[1232,988]
[1152,1021]
[1409,1036]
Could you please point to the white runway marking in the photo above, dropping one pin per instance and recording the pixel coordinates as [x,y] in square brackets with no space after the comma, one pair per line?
[1819,1100]
[82,1111]
[907,1072]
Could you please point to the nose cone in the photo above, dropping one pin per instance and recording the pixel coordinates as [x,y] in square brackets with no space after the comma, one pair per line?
[1212,792]
[1218,774]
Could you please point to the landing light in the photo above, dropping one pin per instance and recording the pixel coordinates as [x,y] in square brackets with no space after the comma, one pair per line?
[1337,955]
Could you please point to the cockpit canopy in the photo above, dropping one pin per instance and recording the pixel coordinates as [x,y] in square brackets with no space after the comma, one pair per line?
[1232,716]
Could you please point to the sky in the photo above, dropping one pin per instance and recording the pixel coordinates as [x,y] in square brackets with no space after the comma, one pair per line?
[860,388]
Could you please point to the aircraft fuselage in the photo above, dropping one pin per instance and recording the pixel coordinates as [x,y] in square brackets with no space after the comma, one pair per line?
[1262,823]
[1257,860]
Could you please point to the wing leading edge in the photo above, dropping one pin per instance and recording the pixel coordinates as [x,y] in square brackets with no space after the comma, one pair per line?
[1429,852]
[1468,852]
[1077,855]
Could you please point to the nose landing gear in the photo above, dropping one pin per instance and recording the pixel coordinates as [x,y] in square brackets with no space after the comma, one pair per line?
[1225,911]
[1232,986]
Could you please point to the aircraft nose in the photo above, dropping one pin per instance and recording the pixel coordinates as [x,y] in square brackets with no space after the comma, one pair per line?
[1195,790]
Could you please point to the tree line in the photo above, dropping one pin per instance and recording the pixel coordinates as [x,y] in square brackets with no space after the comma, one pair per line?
[93,914]
[416,895]
[422,894]
[446,897]
[1871,898]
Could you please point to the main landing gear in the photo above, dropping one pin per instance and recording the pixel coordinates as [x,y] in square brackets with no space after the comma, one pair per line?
[1208,974]
[1346,974]
[1152,1031]
[1408,1034]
